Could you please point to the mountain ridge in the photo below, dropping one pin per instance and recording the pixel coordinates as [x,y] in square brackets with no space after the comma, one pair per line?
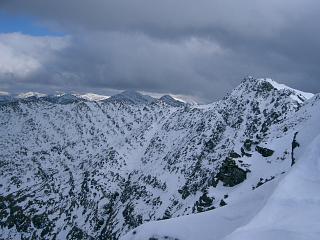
[107,167]
[280,208]
[128,96]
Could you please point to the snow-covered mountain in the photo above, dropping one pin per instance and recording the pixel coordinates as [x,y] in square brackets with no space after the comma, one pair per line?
[31,94]
[167,99]
[131,97]
[93,97]
[97,169]
[285,207]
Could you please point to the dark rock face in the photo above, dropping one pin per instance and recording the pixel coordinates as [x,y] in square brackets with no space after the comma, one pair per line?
[234,155]
[247,144]
[266,87]
[184,192]
[294,145]
[230,174]
[263,181]
[222,203]
[265,152]
[204,203]
[243,153]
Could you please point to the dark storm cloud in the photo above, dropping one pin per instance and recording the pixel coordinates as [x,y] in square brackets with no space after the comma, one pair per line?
[198,48]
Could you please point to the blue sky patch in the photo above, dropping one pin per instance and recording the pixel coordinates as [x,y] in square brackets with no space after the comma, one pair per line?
[24,24]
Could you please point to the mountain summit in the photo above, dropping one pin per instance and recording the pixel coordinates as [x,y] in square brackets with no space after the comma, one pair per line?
[171,101]
[260,86]
[131,97]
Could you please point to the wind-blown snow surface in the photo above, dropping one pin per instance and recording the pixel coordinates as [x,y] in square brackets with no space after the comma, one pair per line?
[76,169]
[288,208]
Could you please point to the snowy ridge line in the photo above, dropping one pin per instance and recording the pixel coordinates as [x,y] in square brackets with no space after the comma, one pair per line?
[104,168]
[283,86]
[286,208]
[126,96]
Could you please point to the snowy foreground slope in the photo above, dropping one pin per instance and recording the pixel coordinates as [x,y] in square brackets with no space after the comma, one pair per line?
[286,208]
[72,168]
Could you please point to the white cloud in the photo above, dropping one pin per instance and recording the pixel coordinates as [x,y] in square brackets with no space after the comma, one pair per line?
[22,55]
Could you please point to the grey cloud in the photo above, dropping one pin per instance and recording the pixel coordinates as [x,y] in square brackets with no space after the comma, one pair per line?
[248,17]
[199,48]
[123,61]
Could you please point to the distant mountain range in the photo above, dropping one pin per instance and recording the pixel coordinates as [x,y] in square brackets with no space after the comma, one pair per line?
[129,97]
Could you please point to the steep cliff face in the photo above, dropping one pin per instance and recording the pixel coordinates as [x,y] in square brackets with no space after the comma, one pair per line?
[74,169]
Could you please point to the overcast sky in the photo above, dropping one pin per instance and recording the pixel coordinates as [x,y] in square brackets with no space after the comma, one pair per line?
[201,48]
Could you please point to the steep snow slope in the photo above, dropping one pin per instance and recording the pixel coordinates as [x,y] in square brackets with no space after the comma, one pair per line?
[214,224]
[74,169]
[297,95]
[293,210]
[287,208]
